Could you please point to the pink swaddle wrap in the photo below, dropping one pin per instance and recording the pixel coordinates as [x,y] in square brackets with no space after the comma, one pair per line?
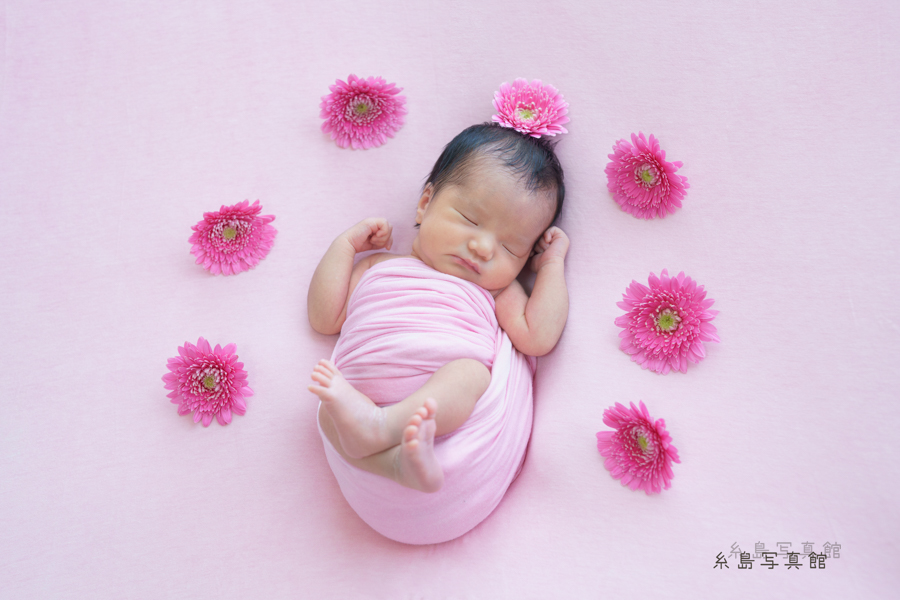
[404,321]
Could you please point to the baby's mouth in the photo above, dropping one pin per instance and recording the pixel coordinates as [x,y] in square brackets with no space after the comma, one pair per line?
[468,264]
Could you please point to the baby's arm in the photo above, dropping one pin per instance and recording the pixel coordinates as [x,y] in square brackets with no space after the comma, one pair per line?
[336,276]
[535,324]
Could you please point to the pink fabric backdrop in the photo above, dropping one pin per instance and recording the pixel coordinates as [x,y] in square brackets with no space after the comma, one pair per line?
[121,123]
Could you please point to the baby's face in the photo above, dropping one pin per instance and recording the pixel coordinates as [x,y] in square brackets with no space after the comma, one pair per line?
[484,229]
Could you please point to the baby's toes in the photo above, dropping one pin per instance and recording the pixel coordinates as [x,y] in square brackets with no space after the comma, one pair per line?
[430,407]
[416,419]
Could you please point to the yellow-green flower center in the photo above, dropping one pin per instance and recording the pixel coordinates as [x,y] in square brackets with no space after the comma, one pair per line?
[642,442]
[209,382]
[361,109]
[229,233]
[647,174]
[526,113]
[668,320]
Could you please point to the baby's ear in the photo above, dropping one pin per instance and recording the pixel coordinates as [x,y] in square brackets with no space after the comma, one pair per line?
[424,201]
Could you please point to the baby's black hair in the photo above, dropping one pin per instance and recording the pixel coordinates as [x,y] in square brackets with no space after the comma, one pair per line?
[533,159]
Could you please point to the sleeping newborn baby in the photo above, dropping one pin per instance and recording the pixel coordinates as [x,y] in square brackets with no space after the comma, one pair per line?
[429,387]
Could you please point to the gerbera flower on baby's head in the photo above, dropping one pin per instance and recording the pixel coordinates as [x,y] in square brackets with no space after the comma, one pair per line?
[232,239]
[362,113]
[208,382]
[639,451]
[665,325]
[534,108]
[642,182]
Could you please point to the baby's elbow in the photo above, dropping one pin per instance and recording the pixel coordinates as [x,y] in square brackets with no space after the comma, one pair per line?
[534,346]
[539,350]
[323,327]
[325,331]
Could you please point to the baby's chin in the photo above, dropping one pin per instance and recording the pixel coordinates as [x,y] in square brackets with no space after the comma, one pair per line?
[492,288]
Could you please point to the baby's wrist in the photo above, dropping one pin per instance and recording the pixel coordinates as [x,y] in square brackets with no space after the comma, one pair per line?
[552,263]
[346,245]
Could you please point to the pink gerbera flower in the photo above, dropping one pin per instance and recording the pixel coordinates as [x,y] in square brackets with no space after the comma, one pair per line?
[531,108]
[639,451]
[642,182]
[208,382]
[362,113]
[666,324]
[233,239]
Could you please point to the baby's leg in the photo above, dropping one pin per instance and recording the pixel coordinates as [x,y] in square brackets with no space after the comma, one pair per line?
[365,428]
[412,463]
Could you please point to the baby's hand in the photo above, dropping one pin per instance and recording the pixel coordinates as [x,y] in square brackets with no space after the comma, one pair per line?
[551,247]
[370,234]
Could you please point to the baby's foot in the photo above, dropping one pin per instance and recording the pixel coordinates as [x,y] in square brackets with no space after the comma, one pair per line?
[360,423]
[417,465]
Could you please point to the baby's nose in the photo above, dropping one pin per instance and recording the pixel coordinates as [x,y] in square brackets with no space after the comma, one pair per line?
[482,247]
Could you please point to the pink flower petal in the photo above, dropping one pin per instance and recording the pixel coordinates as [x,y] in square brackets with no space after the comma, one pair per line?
[224,416]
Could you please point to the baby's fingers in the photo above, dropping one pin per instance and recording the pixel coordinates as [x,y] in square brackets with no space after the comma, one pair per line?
[379,227]
[383,236]
[547,238]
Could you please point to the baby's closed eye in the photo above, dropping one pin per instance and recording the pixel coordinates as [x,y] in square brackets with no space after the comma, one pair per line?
[467,218]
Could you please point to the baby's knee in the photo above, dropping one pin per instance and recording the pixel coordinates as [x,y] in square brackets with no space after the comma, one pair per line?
[474,371]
